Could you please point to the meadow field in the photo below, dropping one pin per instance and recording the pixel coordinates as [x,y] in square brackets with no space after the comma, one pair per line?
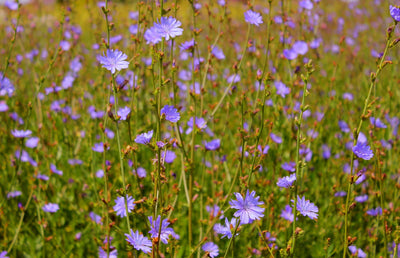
[200,128]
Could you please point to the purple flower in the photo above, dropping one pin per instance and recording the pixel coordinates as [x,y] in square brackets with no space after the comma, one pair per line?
[300,47]
[357,251]
[281,89]
[141,172]
[3,254]
[32,142]
[340,194]
[168,156]
[326,151]
[13,194]
[363,151]
[99,147]
[168,27]
[361,198]
[248,207]
[187,45]
[21,133]
[375,212]
[289,54]
[96,218]
[377,122]
[138,241]
[152,36]
[395,13]
[287,213]
[253,18]
[65,45]
[213,145]
[144,138]
[306,208]
[214,211]
[42,177]
[112,254]
[171,113]
[218,53]
[99,173]
[165,230]
[201,123]
[51,207]
[291,166]
[286,181]
[119,206]
[123,113]
[114,60]
[3,105]
[12,5]
[54,169]
[225,230]
[306,4]
[211,249]
[276,138]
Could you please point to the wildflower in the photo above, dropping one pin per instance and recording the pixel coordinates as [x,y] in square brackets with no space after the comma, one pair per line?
[281,89]
[248,208]
[188,45]
[171,113]
[200,122]
[32,142]
[213,145]
[165,230]
[363,151]
[96,218]
[340,194]
[290,54]
[168,156]
[168,27]
[218,53]
[211,249]
[344,127]
[326,151]
[144,138]
[123,113]
[42,177]
[114,60]
[395,13]
[3,254]
[306,208]
[51,207]
[152,36]
[306,4]
[225,230]
[21,133]
[377,122]
[214,211]
[357,251]
[286,181]
[54,169]
[112,254]
[13,194]
[275,138]
[3,105]
[100,173]
[12,5]
[361,198]
[287,213]
[300,47]
[289,166]
[99,147]
[138,241]
[119,206]
[253,18]
[375,212]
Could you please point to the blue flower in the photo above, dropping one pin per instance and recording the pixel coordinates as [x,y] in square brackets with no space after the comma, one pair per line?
[361,198]
[3,254]
[253,18]
[165,230]
[306,208]
[99,147]
[50,207]
[375,212]
[21,133]
[289,166]
[248,208]
[211,249]
[171,113]
[152,36]
[96,218]
[357,251]
[144,138]
[213,145]
[377,122]
[201,123]
[363,151]
[168,156]
[290,54]
[138,241]
[218,53]
[281,89]
[287,213]
[123,113]
[54,169]
[168,27]
[225,230]
[188,45]
[286,181]
[119,206]
[306,4]
[275,138]
[6,87]
[114,60]
[395,12]
[340,194]
[300,47]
